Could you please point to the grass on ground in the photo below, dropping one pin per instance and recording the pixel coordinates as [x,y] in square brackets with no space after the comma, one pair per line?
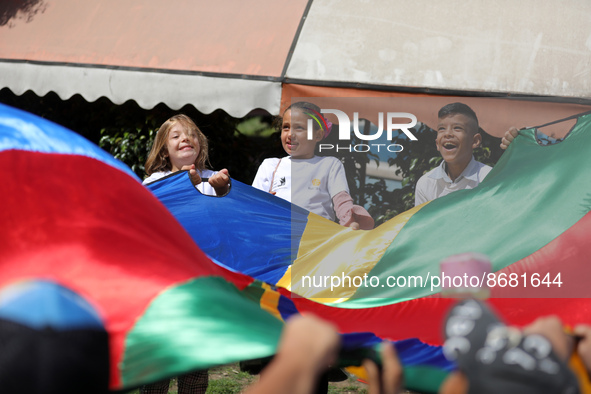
[228,379]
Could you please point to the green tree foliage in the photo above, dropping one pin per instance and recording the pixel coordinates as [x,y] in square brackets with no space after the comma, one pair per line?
[130,146]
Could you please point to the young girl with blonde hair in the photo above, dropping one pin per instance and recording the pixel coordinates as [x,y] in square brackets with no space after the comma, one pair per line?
[180,145]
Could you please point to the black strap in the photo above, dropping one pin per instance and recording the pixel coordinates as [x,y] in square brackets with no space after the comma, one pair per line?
[563,120]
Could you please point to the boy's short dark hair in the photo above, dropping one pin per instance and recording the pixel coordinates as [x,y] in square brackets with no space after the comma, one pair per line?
[458,108]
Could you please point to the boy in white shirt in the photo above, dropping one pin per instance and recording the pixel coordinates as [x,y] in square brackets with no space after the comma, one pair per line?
[457,136]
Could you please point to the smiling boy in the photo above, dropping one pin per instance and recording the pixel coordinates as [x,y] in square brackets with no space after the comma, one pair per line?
[457,136]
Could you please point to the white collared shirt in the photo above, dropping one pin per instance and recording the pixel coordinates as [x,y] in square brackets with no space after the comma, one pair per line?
[436,183]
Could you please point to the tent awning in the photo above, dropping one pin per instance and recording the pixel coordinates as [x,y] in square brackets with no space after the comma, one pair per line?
[221,54]
[240,56]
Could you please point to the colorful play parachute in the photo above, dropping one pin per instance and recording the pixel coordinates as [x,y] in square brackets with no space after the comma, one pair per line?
[530,216]
[76,219]
[88,251]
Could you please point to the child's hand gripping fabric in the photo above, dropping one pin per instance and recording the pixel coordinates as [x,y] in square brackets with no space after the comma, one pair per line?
[193,174]
[220,181]
[350,215]
[509,137]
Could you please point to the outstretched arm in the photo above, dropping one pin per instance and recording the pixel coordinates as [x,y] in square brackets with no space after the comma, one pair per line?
[308,346]
[350,215]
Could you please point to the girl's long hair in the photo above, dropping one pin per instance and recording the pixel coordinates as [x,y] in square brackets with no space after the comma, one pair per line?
[158,158]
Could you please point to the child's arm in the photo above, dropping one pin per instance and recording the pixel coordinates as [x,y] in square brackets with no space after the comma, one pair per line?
[351,215]
[389,379]
[307,347]
[220,182]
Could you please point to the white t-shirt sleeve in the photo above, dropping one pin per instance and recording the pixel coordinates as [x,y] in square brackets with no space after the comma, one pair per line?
[155,176]
[262,179]
[337,179]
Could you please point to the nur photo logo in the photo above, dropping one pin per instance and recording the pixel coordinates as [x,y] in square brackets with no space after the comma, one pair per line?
[392,120]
